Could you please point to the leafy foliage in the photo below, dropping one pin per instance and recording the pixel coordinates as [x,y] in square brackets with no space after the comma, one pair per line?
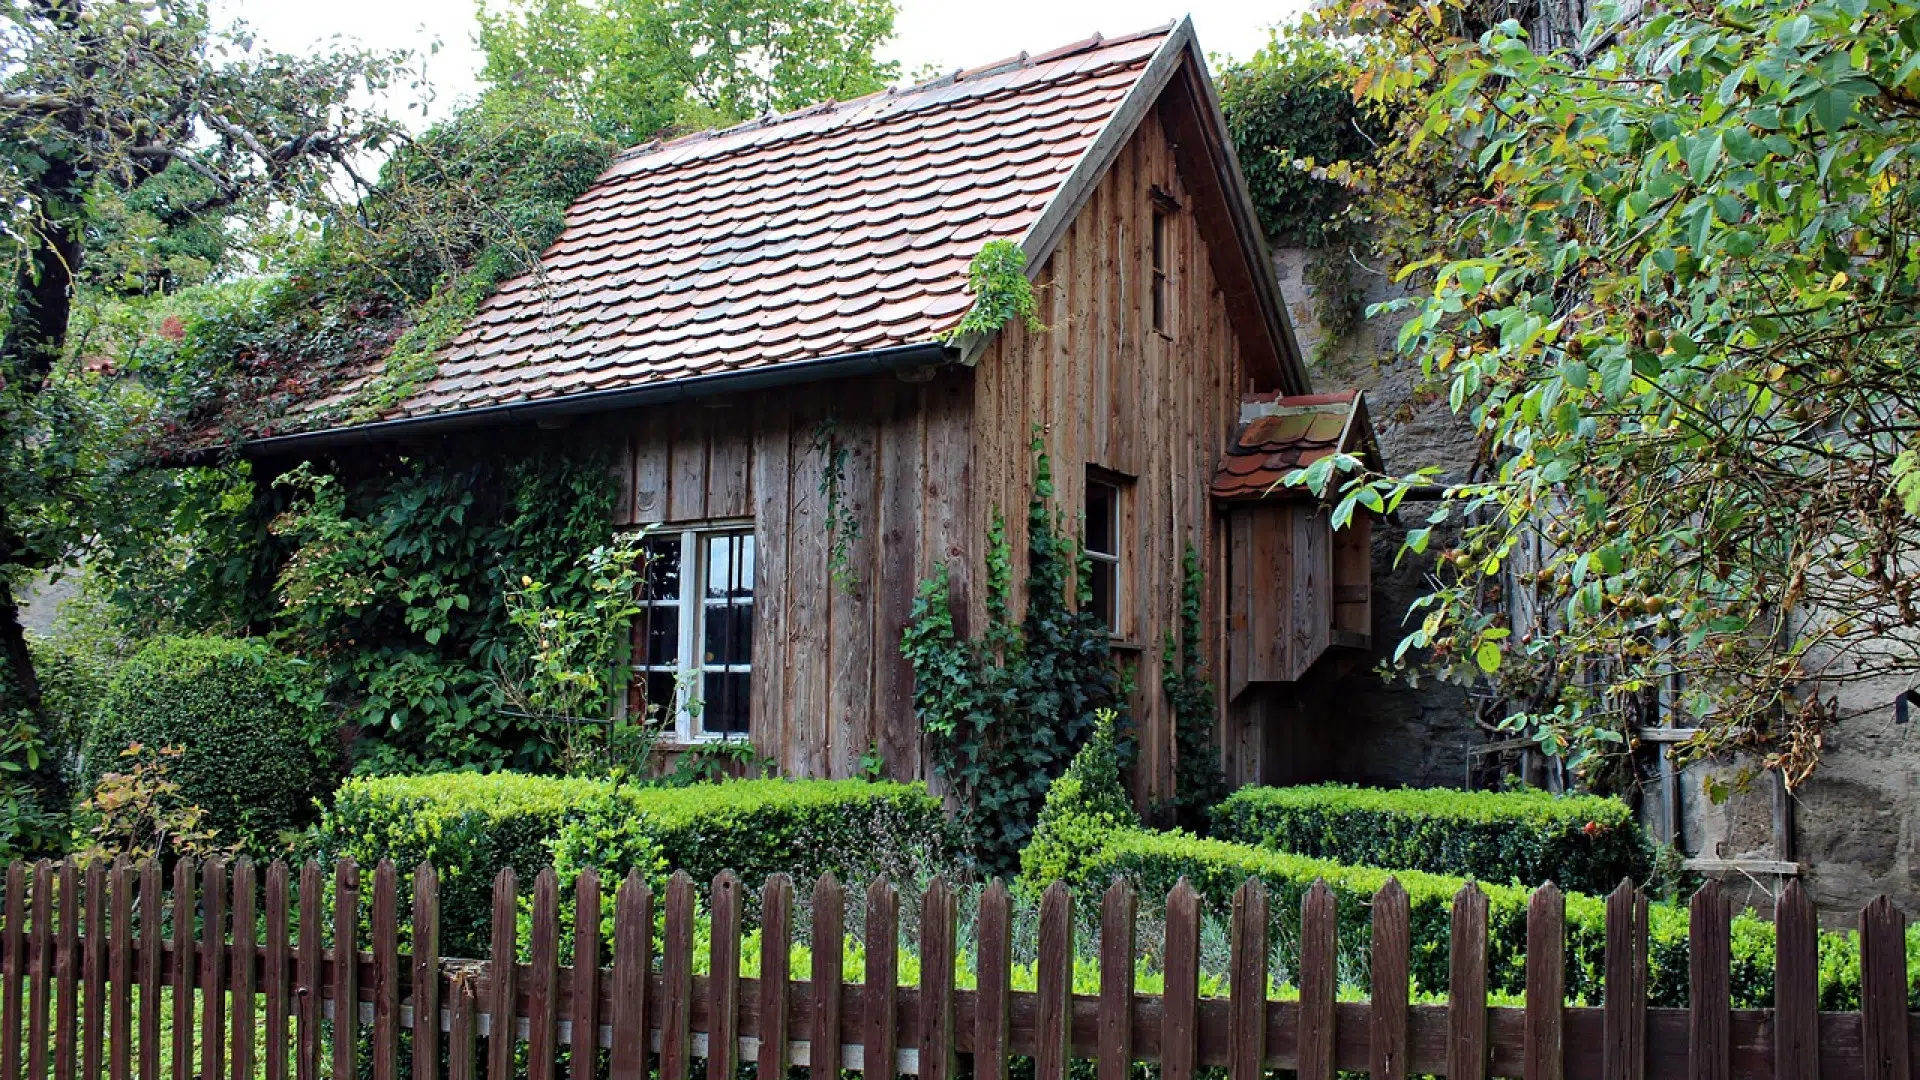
[1583,843]
[997,279]
[256,745]
[400,585]
[1198,781]
[141,813]
[1681,314]
[632,69]
[1006,711]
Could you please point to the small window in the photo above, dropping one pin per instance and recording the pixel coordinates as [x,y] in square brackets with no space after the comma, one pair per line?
[693,640]
[1162,318]
[1103,550]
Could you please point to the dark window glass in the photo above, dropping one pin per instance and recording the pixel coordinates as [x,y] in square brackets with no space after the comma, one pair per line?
[729,703]
[729,634]
[1100,514]
[1103,550]
[663,570]
[651,696]
[1159,271]
[660,627]
[1103,590]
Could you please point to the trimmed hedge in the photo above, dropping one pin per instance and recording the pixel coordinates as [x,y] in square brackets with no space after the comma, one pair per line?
[1583,843]
[471,825]
[1154,862]
[252,722]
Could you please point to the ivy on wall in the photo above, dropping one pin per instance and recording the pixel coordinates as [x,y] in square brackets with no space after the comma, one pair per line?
[1006,710]
[1198,782]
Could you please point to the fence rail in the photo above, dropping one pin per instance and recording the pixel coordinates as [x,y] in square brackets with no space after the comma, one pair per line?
[83,994]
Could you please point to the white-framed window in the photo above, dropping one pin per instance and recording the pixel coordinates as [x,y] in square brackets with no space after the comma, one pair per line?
[693,640]
[1105,528]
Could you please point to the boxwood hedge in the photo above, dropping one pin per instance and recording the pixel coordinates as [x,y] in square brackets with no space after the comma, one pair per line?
[1156,861]
[1584,843]
[471,825]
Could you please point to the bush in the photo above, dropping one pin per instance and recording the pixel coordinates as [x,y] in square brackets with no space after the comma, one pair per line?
[1155,862]
[1087,802]
[471,825]
[1582,843]
[257,745]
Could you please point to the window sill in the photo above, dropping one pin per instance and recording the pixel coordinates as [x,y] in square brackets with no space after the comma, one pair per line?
[1125,645]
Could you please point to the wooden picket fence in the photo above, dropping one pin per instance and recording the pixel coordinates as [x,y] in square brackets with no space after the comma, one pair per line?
[90,985]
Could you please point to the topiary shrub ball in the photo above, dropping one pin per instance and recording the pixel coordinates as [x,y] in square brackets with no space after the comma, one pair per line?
[251,722]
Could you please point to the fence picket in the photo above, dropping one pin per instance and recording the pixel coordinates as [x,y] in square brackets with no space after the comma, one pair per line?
[1180,1000]
[500,977]
[828,932]
[723,977]
[1053,1015]
[120,972]
[543,976]
[1318,981]
[461,1052]
[386,971]
[878,1036]
[676,970]
[776,948]
[425,989]
[1883,991]
[1545,1057]
[151,895]
[1118,947]
[632,961]
[66,958]
[346,968]
[1247,983]
[1625,1021]
[15,973]
[274,974]
[1467,986]
[583,1048]
[1710,999]
[39,969]
[993,974]
[308,989]
[183,909]
[94,951]
[213,989]
[1796,986]
[1387,1018]
[938,925]
[242,965]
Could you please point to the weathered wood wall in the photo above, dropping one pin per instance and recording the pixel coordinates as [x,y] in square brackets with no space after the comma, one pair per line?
[1107,390]
[828,679]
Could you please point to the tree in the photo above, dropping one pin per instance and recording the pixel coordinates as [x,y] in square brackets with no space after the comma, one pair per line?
[632,69]
[1682,316]
[121,114]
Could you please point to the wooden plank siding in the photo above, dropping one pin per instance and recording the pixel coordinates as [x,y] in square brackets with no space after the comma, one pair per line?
[1150,407]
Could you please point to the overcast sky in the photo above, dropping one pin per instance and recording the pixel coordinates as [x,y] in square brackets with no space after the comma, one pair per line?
[945,33]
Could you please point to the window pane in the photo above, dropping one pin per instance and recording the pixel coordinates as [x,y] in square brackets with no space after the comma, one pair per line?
[1103,591]
[1100,506]
[729,634]
[651,697]
[728,704]
[729,565]
[657,636]
[663,570]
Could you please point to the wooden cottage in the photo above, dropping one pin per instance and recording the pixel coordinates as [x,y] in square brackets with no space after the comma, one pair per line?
[749,312]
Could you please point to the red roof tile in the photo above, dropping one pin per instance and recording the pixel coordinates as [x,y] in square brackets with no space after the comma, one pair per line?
[1280,434]
[835,228]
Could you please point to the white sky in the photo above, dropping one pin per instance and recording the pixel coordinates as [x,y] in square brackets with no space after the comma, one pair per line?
[946,33]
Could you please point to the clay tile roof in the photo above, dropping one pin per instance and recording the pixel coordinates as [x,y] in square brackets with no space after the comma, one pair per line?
[841,227]
[1279,434]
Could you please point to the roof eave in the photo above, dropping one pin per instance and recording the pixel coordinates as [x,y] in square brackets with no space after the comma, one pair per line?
[892,358]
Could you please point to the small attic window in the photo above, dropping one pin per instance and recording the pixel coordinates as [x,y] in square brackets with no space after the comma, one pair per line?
[1162,317]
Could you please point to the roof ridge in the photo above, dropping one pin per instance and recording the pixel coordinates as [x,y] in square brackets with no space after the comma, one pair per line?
[998,67]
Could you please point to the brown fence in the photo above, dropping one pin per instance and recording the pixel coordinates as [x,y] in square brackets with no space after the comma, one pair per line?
[82,992]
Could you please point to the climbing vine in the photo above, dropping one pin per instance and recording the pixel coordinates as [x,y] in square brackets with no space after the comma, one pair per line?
[1006,710]
[997,278]
[1198,782]
[843,528]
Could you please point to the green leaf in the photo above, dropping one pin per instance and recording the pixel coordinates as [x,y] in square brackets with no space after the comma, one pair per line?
[1488,656]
